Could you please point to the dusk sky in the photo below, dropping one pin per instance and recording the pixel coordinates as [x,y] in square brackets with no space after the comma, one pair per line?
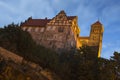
[88,12]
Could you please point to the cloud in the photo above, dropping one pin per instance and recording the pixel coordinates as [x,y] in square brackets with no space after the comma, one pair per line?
[88,12]
[111,13]
[38,8]
[20,10]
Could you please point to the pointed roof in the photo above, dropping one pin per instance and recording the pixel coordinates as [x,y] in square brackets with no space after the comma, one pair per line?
[62,11]
[97,23]
[68,17]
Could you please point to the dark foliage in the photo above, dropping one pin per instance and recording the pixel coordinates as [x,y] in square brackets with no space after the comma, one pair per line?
[13,38]
[81,64]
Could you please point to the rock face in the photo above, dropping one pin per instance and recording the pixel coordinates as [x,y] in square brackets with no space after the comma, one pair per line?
[61,33]
[14,67]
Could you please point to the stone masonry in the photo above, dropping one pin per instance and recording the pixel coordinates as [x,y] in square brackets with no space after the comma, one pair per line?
[61,33]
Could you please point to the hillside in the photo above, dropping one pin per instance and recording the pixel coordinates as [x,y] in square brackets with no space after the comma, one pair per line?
[22,57]
[15,67]
[12,71]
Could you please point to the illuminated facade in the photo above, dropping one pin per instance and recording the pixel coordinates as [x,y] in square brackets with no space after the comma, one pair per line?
[61,33]
[95,37]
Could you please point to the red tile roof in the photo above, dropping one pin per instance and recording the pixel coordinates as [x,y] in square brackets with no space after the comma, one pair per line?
[97,23]
[41,22]
[36,22]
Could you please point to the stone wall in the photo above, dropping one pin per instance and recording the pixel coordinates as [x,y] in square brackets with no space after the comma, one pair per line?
[62,33]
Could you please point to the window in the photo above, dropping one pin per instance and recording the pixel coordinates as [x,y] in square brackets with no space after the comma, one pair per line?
[60,29]
[29,29]
[24,28]
[36,29]
[48,28]
[72,43]
[53,28]
[33,29]
[77,35]
[56,23]
[94,37]
[50,43]
[60,17]
[71,32]
[42,29]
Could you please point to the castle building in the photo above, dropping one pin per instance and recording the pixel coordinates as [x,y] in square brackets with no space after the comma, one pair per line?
[61,33]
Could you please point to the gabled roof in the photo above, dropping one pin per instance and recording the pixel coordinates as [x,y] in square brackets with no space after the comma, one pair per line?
[97,23]
[62,12]
[43,22]
[68,17]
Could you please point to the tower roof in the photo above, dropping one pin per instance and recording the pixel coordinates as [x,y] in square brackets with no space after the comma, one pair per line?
[97,23]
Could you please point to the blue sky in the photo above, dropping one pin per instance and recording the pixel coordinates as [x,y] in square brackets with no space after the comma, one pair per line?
[88,12]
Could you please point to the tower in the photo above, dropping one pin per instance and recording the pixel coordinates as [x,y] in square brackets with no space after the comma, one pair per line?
[96,35]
